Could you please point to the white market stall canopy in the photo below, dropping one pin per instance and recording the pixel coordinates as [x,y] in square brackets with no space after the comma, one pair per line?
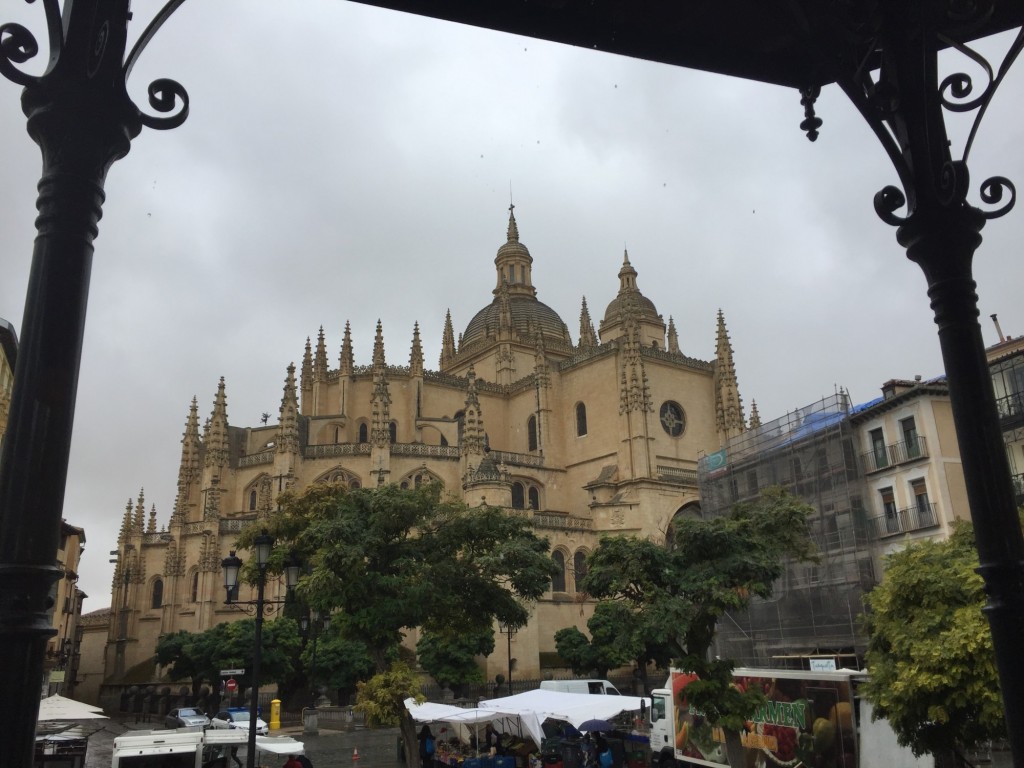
[58,707]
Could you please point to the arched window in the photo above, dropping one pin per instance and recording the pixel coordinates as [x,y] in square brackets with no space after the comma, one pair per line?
[354,484]
[252,500]
[558,580]
[158,593]
[518,498]
[581,419]
[393,431]
[579,567]
[531,433]
[534,496]
[364,433]
[194,590]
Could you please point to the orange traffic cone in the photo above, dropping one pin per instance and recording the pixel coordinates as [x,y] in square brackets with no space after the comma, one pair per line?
[355,755]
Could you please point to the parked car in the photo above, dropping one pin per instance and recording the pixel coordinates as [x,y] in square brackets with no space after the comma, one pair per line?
[186,717]
[237,717]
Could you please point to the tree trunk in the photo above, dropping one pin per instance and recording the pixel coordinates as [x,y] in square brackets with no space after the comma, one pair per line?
[412,744]
[734,749]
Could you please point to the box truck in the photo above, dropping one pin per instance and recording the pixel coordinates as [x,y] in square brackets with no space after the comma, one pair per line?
[809,720]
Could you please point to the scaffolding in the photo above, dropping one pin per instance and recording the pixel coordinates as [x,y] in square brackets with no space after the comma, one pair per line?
[814,611]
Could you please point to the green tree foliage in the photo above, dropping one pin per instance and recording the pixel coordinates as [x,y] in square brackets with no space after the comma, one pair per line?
[709,567]
[450,656]
[387,559]
[201,656]
[340,663]
[617,638]
[381,699]
[930,655]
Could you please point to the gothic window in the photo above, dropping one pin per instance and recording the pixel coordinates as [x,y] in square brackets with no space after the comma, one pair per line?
[354,484]
[579,567]
[531,433]
[673,419]
[364,433]
[581,419]
[158,594]
[194,589]
[534,496]
[393,432]
[252,500]
[558,580]
[518,496]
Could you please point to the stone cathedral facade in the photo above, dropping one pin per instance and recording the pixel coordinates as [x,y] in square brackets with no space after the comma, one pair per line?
[586,438]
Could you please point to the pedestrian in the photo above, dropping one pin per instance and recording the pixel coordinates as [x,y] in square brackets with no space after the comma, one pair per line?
[426,739]
[292,762]
[304,761]
[492,740]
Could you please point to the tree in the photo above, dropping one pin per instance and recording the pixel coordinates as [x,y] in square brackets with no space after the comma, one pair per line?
[930,655]
[450,656]
[679,591]
[340,663]
[618,636]
[200,656]
[387,559]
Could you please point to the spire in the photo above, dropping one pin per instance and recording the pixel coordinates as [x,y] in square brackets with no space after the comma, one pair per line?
[189,467]
[217,446]
[151,528]
[347,363]
[588,338]
[320,361]
[513,228]
[728,406]
[416,354]
[504,310]
[673,337]
[139,519]
[307,366]
[473,435]
[288,421]
[755,417]
[627,275]
[126,523]
[447,341]
[378,347]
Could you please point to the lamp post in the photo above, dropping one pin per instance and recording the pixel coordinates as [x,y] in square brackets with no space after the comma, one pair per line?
[508,630]
[314,624]
[263,544]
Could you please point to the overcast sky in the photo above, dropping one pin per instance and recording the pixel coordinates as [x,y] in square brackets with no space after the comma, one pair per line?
[346,163]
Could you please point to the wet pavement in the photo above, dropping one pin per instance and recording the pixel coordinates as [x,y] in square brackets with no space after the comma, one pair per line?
[376,748]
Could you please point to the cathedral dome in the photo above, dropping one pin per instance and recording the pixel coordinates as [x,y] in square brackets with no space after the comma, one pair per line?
[527,313]
[629,298]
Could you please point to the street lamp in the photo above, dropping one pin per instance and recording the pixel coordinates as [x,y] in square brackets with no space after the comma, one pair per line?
[509,630]
[263,544]
[314,624]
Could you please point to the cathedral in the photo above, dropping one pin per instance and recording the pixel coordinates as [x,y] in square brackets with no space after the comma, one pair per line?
[586,439]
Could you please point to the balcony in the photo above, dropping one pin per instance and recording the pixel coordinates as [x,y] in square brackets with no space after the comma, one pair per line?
[905,521]
[1011,408]
[895,454]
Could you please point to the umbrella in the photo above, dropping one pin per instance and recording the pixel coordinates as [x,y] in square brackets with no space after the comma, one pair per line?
[598,726]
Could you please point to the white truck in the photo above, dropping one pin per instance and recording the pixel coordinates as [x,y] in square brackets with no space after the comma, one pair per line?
[193,748]
[809,721]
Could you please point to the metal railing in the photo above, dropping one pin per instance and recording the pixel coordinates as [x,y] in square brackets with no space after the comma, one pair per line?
[894,454]
[905,520]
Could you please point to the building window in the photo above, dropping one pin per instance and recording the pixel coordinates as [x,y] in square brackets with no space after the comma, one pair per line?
[194,590]
[252,500]
[534,496]
[558,580]
[364,433]
[518,496]
[531,433]
[158,594]
[752,483]
[579,567]
[892,523]
[878,448]
[393,432]
[581,419]
[673,419]
[909,429]
[925,514]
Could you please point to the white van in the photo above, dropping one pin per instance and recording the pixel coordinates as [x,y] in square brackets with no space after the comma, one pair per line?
[580,686]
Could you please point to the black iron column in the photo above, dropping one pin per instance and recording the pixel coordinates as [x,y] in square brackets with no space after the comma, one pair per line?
[941,231]
[257,654]
[81,117]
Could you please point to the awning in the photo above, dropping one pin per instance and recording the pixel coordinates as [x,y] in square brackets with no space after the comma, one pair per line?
[58,707]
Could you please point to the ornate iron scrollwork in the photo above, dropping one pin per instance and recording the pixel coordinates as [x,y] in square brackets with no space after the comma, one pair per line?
[18,45]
